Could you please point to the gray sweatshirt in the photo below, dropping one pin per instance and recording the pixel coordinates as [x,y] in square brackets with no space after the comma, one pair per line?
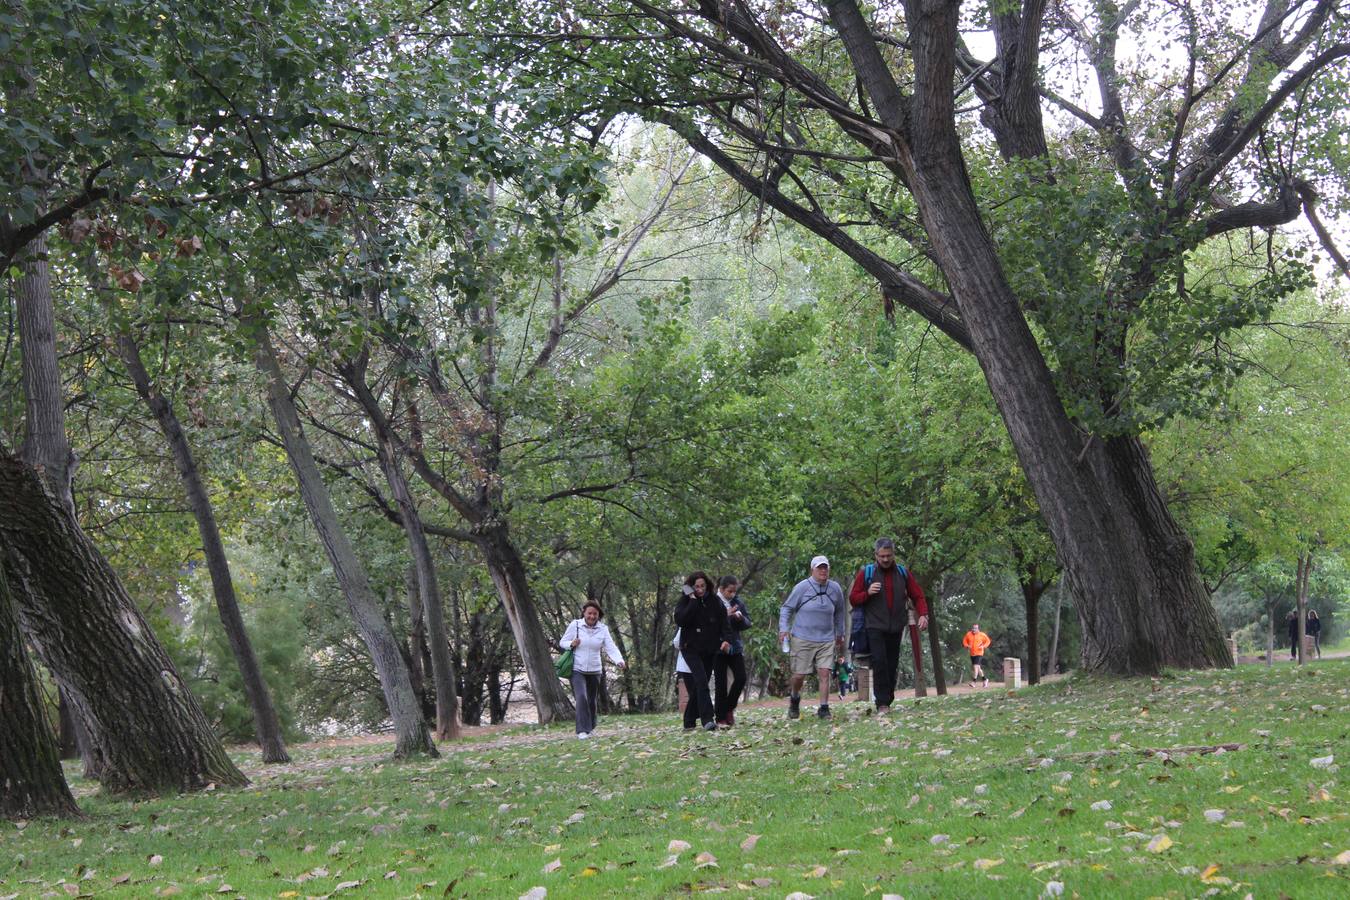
[817,612]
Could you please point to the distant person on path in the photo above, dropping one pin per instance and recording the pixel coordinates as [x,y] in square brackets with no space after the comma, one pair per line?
[586,638]
[892,602]
[812,619]
[1291,621]
[704,631]
[729,666]
[1313,628]
[976,641]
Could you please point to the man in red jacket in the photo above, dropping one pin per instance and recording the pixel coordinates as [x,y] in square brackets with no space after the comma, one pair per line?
[892,601]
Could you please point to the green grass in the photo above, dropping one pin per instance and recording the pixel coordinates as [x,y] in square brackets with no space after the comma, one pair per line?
[1010,781]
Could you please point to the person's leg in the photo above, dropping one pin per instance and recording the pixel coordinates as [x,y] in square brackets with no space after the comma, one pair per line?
[884,663]
[736,666]
[700,665]
[823,709]
[593,695]
[580,694]
[690,701]
[720,687]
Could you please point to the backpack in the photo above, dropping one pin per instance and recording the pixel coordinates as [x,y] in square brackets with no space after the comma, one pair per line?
[858,642]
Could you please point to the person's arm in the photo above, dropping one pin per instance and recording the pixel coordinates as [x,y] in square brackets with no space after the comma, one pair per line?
[569,636]
[741,622]
[858,595]
[685,610]
[612,649]
[966,642]
[916,594]
[840,615]
[789,608]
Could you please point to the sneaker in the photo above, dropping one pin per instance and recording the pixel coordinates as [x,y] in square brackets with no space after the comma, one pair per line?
[709,726]
[823,711]
[883,710]
[794,707]
[582,735]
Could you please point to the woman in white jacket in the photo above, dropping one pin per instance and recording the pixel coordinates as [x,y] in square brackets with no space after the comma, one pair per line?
[587,637]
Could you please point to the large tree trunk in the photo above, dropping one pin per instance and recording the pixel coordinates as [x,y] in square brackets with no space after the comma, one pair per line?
[1130,566]
[144,725]
[265,721]
[419,657]
[31,781]
[508,574]
[411,735]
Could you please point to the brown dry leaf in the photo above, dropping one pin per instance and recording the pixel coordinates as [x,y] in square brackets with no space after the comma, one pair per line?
[749,843]
[589,871]
[71,889]
[678,846]
[1343,858]
[535,893]
[705,860]
[1159,844]
[156,860]
[347,885]
[985,865]
[550,868]
[817,872]
[122,879]
[669,861]
[225,889]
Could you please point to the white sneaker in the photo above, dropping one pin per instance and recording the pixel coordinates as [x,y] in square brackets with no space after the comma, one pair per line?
[583,735]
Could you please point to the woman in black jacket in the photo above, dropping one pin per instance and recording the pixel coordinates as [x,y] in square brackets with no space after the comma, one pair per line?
[704,631]
[1313,629]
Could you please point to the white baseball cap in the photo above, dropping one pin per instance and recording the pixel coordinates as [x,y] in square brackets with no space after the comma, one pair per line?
[820,561]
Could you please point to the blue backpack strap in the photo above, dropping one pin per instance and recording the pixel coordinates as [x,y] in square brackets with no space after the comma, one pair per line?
[868,570]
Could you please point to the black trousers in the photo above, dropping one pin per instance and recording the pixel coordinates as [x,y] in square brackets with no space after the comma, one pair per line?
[885,647]
[586,692]
[696,682]
[728,667]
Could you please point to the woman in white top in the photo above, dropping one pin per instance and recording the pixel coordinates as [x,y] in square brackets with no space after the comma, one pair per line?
[586,638]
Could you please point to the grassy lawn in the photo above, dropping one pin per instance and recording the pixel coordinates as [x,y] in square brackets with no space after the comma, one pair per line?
[981,794]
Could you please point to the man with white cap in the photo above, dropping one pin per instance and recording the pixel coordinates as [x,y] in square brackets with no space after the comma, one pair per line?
[813,617]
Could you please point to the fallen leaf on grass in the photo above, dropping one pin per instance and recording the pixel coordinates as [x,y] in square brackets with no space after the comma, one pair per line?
[1322,762]
[985,865]
[705,860]
[799,895]
[669,861]
[156,860]
[678,846]
[552,867]
[534,893]
[227,889]
[817,872]
[1342,859]
[749,843]
[347,886]
[1159,843]
[122,879]
[589,871]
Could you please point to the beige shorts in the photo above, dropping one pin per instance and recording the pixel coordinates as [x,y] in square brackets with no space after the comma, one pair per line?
[808,656]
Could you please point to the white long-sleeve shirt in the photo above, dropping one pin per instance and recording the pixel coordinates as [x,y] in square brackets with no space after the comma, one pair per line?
[586,656]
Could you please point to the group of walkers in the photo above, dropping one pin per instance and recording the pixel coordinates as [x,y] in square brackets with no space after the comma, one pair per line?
[887,604]
[1312,627]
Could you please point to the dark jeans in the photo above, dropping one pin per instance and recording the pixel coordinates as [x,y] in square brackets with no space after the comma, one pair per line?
[885,647]
[586,691]
[728,696]
[700,697]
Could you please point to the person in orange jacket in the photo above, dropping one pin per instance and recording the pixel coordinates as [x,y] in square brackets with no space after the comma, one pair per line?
[976,641]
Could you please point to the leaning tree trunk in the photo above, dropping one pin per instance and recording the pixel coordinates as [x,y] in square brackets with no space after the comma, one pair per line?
[411,735]
[419,655]
[1129,565]
[1302,571]
[442,669]
[145,726]
[31,781]
[265,720]
[508,574]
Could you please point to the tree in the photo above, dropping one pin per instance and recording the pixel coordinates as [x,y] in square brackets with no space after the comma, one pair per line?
[31,781]
[872,151]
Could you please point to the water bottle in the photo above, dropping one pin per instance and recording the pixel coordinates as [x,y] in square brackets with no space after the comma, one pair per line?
[787,645]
